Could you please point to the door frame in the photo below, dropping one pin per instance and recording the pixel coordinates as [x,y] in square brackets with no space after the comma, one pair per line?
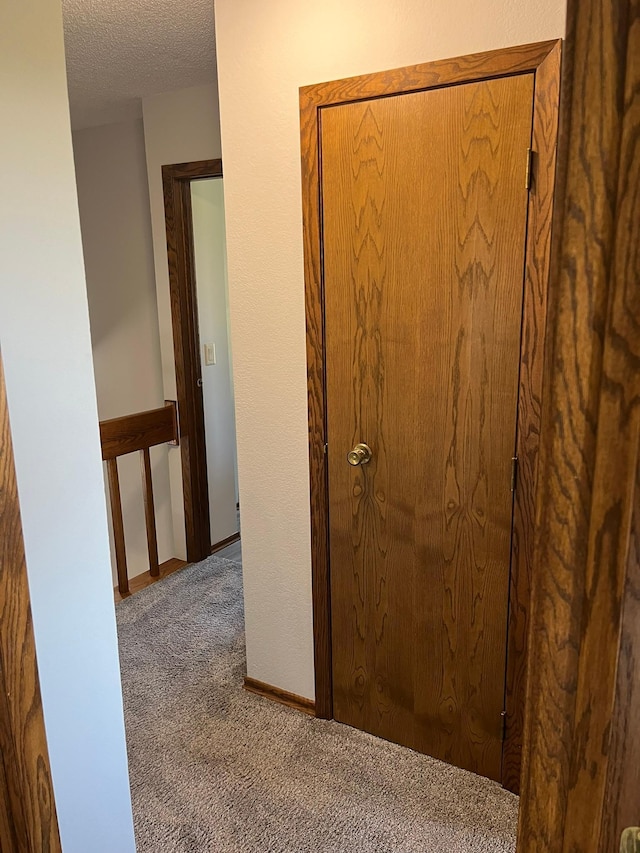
[581,774]
[176,181]
[543,60]
[28,820]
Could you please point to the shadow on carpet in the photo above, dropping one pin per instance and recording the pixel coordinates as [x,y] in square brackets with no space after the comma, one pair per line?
[214,768]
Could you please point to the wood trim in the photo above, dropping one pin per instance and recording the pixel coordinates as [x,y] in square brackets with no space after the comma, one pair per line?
[235,537]
[427,75]
[581,782]
[194,170]
[542,60]
[184,313]
[146,578]
[537,271]
[275,694]
[623,771]
[12,826]
[319,494]
[27,806]
[119,436]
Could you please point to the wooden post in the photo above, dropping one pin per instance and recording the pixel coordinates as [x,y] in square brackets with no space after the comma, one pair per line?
[149,512]
[118,525]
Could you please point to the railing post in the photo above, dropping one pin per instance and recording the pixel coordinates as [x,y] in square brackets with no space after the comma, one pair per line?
[118,526]
[149,513]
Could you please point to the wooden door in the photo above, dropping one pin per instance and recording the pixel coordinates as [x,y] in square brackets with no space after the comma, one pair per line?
[424,216]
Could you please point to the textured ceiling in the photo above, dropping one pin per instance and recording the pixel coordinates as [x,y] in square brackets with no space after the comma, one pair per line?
[120,50]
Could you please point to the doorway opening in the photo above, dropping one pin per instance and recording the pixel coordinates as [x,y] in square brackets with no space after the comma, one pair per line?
[194,212]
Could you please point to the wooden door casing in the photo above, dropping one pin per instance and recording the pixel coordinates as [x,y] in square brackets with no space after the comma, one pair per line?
[543,60]
[534,316]
[176,182]
[424,222]
[581,775]
[28,819]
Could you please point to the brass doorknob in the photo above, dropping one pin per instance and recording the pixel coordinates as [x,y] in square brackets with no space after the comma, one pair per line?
[360,455]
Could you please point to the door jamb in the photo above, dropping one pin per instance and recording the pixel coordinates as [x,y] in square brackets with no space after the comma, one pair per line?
[581,776]
[28,820]
[543,60]
[176,180]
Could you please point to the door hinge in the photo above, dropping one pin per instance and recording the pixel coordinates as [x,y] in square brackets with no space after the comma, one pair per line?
[325,449]
[514,473]
[503,715]
[527,180]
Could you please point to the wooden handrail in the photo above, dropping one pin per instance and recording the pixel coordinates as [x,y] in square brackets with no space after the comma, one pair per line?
[119,436]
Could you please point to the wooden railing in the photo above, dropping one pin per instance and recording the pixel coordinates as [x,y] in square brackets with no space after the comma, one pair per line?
[118,437]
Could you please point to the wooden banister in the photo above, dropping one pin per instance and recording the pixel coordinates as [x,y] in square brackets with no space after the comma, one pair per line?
[119,436]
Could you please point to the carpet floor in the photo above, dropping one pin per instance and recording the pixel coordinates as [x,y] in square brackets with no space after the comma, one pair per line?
[214,768]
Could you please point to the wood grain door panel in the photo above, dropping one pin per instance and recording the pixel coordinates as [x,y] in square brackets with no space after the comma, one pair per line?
[424,222]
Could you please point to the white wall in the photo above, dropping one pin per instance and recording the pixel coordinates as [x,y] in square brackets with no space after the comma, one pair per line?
[179,127]
[44,333]
[266,51]
[210,251]
[113,195]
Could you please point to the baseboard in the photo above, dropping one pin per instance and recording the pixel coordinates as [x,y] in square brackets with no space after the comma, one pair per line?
[173,564]
[291,700]
[224,542]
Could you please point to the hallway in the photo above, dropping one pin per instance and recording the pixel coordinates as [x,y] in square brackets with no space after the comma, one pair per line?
[214,768]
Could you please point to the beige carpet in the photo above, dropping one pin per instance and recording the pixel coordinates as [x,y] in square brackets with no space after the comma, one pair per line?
[214,768]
